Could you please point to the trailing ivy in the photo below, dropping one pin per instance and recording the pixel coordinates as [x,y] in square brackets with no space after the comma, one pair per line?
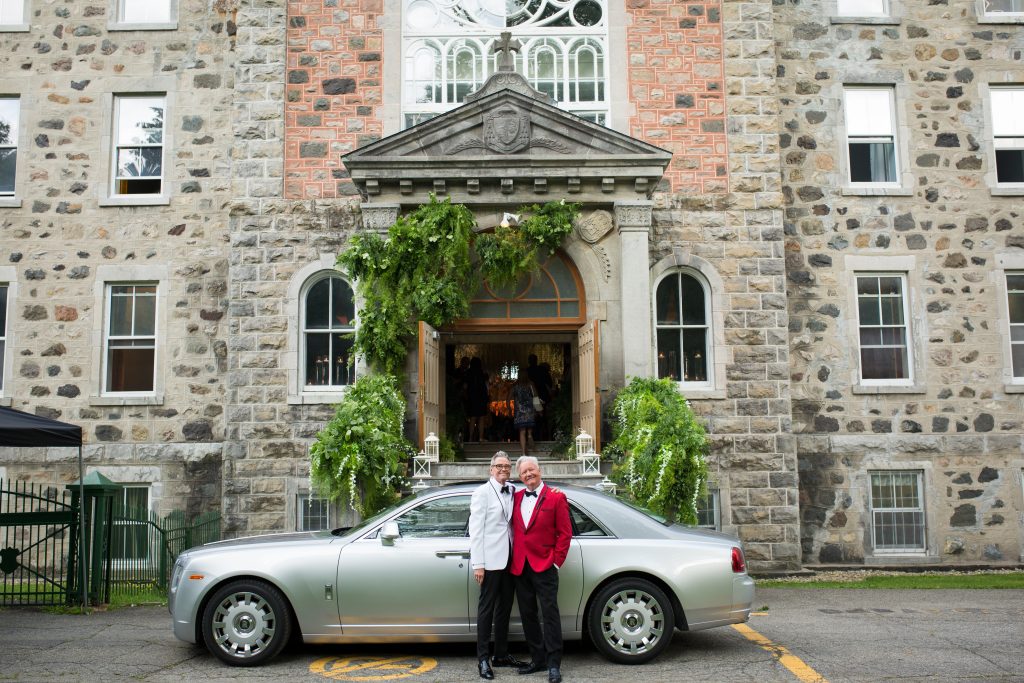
[359,455]
[660,448]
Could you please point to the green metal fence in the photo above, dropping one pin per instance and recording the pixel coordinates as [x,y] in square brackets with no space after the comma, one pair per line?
[144,546]
[38,541]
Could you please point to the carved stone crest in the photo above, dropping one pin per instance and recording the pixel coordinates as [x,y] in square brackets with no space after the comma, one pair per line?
[506,130]
[595,226]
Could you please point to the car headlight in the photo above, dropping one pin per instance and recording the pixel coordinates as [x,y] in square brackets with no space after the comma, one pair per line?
[179,571]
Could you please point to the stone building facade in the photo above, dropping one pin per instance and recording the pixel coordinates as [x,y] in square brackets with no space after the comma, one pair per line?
[261,102]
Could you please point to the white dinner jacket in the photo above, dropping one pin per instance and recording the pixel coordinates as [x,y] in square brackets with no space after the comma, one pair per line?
[489,530]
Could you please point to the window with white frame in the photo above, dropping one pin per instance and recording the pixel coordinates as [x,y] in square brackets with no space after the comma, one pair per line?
[862,8]
[1015,302]
[1008,133]
[328,326]
[12,12]
[139,148]
[897,511]
[871,135]
[312,513]
[885,355]
[10,111]
[708,516]
[144,11]
[131,539]
[130,340]
[682,329]
[447,50]
[3,331]
[1004,6]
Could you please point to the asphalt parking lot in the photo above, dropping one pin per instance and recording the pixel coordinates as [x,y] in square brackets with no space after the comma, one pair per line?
[803,635]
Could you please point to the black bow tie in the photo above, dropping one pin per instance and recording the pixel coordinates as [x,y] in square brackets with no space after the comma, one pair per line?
[504,489]
[531,493]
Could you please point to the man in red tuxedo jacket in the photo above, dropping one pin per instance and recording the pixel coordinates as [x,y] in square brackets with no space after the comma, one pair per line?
[541,532]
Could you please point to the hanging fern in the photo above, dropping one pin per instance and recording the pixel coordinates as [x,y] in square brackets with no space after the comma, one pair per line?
[661,449]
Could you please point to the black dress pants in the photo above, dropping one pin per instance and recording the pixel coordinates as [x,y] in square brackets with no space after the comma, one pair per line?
[532,587]
[494,607]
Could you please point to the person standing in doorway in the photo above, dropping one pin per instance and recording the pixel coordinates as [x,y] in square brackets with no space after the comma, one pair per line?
[541,532]
[477,400]
[490,539]
[524,415]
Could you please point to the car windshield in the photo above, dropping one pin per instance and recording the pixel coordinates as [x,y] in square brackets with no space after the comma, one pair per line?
[361,526]
[653,515]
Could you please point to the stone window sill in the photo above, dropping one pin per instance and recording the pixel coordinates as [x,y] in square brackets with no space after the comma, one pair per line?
[701,394]
[14,28]
[996,19]
[310,398]
[147,400]
[877,21]
[1007,191]
[10,203]
[871,191]
[154,26]
[907,557]
[6,401]
[136,200]
[874,389]
[1013,388]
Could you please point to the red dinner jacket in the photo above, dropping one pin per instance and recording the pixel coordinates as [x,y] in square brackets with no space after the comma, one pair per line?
[546,540]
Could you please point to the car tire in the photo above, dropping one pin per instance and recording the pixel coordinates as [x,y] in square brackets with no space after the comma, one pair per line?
[246,623]
[631,621]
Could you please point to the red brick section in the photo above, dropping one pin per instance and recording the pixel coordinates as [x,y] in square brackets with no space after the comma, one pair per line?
[332,91]
[677,81]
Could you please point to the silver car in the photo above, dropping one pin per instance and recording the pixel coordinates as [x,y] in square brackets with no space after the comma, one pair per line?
[404,576]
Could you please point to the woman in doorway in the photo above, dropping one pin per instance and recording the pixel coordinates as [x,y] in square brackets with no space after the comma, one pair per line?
[524,416]
[477,400]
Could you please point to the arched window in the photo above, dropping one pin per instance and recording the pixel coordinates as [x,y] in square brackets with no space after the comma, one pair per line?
[682,318]
[328,324]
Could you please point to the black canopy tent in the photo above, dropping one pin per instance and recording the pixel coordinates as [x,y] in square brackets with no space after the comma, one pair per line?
[23,430]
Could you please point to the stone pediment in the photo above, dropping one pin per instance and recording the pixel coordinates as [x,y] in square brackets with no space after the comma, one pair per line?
[507,141]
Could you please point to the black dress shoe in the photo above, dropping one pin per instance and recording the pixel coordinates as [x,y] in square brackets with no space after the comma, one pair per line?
[486,672]
[554,675]
[531,668]
[507,660]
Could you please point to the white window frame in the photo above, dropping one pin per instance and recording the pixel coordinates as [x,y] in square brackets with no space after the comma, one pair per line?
[908,332]
[119,23]
[152,548]
[919,510]
[304,332]
[302,503]
[709,353]
[714,498]
[4,338]
[108,337]
[1015,329]
[13,144]
[118,145]
[986,16]
[1000,142]
[884,13]
[892,138]
[18,26]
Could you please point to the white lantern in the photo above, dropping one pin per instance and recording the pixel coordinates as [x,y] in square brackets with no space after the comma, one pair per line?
[420,466]
[590,463]
[432,445]
[584,444]
[608,486]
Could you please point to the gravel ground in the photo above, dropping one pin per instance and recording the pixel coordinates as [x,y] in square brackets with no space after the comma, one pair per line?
[853,575]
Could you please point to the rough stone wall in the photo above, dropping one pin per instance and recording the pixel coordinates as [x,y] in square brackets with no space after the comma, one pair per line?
[959,425]
[676,83]
[64,68]
[334,58]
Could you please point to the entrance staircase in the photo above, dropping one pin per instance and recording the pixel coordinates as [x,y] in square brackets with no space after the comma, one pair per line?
[476,466]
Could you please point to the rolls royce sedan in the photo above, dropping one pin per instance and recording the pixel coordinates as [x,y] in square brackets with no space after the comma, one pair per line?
[629,582]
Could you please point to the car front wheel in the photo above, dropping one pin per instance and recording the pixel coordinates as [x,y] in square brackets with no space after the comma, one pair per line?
[246,623]
[631,621]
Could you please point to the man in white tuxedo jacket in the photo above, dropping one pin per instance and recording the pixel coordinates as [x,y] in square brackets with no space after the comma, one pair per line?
[490,542]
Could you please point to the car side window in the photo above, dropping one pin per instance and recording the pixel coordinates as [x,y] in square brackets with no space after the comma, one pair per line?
[583,524]
[438,518]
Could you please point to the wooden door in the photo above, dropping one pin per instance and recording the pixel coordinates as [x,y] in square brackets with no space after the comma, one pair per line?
[587,397]
[429,404]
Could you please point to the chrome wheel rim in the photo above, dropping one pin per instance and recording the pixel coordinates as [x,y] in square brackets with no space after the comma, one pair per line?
[244,624]
[632,622]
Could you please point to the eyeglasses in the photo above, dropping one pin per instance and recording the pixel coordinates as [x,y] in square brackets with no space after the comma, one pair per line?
[502,467]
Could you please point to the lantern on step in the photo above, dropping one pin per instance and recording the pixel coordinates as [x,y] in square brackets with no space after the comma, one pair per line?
[584,444]
[420,467]
[607,485]
[432,446]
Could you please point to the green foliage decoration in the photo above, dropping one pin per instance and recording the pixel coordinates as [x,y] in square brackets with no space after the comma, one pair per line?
[548,225]
[359,455]
[505,256]
[660,449]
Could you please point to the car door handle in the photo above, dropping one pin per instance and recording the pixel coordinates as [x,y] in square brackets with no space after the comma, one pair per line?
[453,553]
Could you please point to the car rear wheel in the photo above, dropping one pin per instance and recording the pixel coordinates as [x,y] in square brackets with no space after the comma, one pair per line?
[631,621]
[246,623]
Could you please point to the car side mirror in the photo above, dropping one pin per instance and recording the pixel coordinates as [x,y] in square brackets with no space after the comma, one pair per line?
[388,533]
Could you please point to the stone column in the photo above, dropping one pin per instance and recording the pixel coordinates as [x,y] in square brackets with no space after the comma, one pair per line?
[633,220]
[379,217]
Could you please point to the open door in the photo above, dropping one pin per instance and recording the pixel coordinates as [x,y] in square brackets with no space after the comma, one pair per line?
[587,397]
[429,383]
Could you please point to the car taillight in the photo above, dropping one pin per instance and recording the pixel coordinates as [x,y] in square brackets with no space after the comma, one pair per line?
[738,565]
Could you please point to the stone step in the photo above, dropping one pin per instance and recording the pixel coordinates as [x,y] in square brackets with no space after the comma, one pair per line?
[484,451]
[467,471]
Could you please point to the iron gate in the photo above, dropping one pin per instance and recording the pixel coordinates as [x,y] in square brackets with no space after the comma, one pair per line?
[38,528]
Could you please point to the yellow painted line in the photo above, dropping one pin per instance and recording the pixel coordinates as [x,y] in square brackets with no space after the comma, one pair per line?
[371,668]
[795,665]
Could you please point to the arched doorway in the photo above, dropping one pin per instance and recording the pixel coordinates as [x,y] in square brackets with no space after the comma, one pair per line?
[540,326]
